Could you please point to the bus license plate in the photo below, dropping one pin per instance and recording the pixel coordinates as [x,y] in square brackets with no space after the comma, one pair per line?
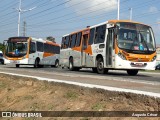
[14,61]
[139,64]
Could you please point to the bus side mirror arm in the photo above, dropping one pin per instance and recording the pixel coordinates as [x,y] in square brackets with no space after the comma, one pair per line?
[4,42]
[116,29]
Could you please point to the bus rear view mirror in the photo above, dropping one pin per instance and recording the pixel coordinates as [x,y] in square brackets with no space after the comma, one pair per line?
[4,42]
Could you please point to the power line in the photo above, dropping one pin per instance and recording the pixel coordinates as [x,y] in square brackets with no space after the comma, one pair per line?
[70,17]
[59,10]
[49,8]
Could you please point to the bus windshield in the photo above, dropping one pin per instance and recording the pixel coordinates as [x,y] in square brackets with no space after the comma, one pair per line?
[136,38]
[16,48]
[1,55]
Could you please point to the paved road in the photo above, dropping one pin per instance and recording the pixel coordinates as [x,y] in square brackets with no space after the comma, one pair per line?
[144,81]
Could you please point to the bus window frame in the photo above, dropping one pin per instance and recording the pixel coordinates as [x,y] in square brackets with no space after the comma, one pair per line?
[91,36]
[30,49]
[79,37]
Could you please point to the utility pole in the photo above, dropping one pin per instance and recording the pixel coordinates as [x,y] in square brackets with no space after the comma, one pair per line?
[19,14]
[24,28]
[118,9]
[130,9]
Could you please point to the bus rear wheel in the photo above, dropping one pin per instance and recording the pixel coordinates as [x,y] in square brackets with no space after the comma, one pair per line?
[100,67]
[132,72]
[94,70]
[36,64]
[2,62]
[71,66]
[17,65]
[57,64]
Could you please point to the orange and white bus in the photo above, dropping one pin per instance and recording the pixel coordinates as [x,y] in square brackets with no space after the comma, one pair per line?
[31,51]
[114,44]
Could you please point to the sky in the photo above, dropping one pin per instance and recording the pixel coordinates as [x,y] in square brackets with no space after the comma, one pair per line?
[59,17]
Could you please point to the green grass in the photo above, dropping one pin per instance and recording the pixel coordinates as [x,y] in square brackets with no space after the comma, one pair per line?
[51,107]
[71,95]
[2,85]
[97,106]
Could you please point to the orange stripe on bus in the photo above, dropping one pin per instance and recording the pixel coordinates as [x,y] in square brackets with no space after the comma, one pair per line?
[48,54]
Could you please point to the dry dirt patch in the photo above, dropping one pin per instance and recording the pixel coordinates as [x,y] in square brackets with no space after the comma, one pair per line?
[26,94]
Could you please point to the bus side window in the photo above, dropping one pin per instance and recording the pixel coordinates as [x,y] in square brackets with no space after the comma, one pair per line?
[73,40]
[32,47]
[40,46]
[70,40]
[78,43]
[100,34]
[67,41]
[63,43]
[92,33]
[85,38]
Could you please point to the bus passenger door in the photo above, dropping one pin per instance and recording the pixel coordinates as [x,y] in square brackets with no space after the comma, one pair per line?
[32,51]
[84,49]
[109,47]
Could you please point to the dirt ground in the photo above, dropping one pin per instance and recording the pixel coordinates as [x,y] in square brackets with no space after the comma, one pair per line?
[26,94]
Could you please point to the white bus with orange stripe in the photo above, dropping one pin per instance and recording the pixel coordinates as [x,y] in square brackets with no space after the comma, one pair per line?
[114,44]
[31,51]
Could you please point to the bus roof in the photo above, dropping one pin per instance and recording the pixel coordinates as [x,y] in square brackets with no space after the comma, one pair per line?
[39,40]
[110,21]
[117,21]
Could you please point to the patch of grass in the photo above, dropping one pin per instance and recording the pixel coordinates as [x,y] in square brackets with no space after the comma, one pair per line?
[44,88]
[34,106]
[97,106]
[2,85]
[50,107]
[71,95]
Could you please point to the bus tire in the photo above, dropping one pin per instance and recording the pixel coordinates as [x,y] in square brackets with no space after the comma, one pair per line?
[94,70]
[56,63]
[132,72]
[2,62]
[36,64]
[17,65]
[77,68]
[71,65]
[100,67]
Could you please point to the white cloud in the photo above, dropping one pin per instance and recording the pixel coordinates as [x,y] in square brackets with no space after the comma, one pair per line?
[100,6]
[153,9]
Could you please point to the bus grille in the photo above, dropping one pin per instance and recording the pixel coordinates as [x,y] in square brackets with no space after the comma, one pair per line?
[139,59]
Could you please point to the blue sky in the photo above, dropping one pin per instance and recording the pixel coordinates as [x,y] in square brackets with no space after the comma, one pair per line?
[59,17]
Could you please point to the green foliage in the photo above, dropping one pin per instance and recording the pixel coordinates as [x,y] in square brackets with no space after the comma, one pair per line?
[2,47]
[50,38]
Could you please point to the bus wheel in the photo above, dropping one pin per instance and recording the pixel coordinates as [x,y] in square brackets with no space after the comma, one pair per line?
[77,69]
[132,72]
[100,66]
[36,64]
[94,70]
[71,66]
[17,66]
[2,62]
[56,64]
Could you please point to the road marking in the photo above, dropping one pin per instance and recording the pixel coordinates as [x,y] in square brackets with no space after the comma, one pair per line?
[156,95]
[155,83]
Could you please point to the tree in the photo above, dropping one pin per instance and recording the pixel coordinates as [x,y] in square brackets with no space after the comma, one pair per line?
[50,38]
[2,47]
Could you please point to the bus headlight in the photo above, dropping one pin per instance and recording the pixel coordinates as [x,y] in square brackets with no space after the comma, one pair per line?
[121,56]
[153,58]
